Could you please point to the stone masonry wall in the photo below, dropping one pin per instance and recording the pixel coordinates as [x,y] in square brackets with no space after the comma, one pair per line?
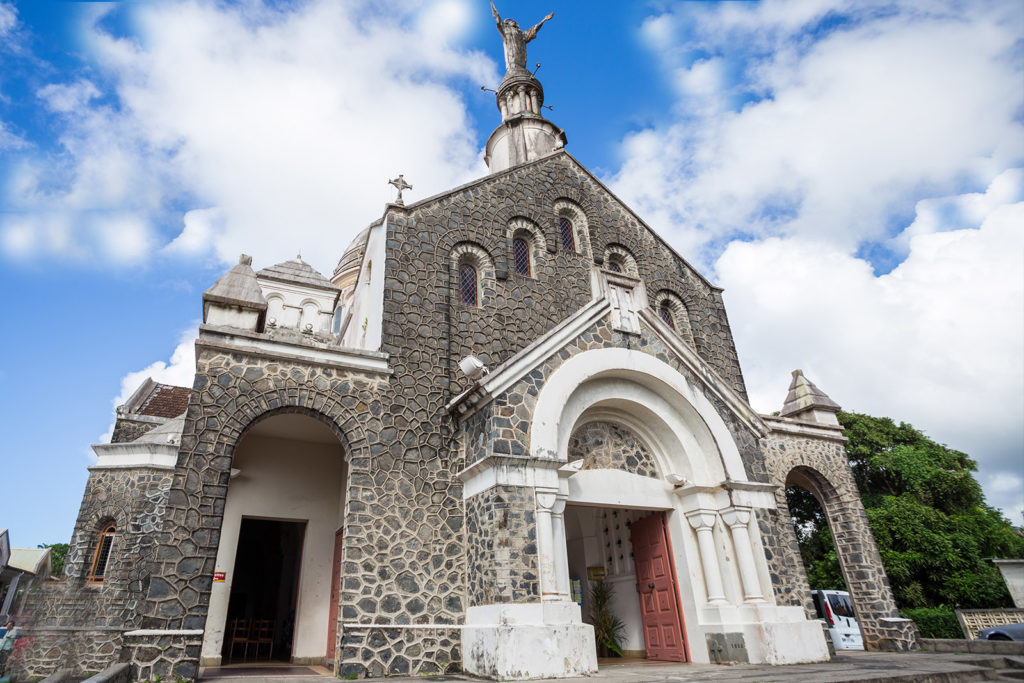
[129,429]
[425,325]
[603,445]
[501,546]
[78,625]
[821,466]
[403,551]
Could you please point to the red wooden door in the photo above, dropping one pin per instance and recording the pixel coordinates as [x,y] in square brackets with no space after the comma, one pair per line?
[332,623]
[659,594]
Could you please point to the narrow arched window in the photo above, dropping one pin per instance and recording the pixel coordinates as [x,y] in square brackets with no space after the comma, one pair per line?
[666,314]
[101,557]
[614,265]
[568,238]
[467,285]
[521,256]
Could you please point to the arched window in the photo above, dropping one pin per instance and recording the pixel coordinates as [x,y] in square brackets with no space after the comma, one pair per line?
[101,558]
[467,285]
[618,260]
[521,256]
[568,236]
[666,314]
[336,321]
[671,309]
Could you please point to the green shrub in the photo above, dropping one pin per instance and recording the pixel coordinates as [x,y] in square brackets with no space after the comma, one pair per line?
[935,622]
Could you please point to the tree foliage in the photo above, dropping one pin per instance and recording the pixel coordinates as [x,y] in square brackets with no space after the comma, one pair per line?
[928,515]
[58,551]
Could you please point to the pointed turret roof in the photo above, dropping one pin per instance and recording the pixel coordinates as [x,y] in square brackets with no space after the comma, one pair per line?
[238,287]
[297,271]
[804,396]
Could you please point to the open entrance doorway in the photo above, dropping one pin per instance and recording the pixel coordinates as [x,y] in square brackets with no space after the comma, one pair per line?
[806,499]
[262,606]
[628,553]
[285,508]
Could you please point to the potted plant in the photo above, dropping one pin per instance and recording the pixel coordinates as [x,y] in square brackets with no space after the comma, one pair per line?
[608,628]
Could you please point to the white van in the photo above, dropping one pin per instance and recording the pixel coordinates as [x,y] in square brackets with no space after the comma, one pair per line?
[835,608]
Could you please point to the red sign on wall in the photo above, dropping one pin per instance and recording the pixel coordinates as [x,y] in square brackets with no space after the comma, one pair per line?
[218,577]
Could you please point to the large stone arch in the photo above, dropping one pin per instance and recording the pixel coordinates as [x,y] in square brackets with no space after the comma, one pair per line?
[817,462]
[232,392]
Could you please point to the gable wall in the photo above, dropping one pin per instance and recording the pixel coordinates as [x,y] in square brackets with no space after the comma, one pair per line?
[427,331]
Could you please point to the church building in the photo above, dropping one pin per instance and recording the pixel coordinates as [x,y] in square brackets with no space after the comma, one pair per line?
[504,396]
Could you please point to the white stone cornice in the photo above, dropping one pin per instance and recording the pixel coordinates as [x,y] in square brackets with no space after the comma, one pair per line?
[814,430]
[135,454]
[505,470]
[240,341]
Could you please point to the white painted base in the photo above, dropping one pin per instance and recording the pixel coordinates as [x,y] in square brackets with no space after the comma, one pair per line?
[513,642]
[792,643]
[772,634]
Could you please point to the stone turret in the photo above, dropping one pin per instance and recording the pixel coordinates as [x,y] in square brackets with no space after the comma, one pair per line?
[808,403]
[236,300]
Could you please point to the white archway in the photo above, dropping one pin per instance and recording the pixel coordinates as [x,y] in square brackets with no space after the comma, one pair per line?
[680,417]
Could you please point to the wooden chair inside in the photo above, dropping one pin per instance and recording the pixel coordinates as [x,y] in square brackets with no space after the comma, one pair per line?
[241,635]
[264,636]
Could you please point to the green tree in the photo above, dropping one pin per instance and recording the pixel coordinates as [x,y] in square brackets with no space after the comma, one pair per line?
[928,515]
[58,551]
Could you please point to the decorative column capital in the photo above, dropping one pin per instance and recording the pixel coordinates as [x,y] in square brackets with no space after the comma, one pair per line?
[547,499]
[702,519]
[736,516]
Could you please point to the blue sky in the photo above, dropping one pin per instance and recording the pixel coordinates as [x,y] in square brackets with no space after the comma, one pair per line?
[850,172]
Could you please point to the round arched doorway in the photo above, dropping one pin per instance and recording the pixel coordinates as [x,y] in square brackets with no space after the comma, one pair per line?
[275,588]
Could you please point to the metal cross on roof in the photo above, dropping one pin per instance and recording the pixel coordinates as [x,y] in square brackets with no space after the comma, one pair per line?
[400,184]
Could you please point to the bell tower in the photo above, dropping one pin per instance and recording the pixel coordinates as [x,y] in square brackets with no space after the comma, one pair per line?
[524,134]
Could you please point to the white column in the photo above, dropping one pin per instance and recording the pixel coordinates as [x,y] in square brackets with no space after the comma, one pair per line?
[704,521]
[523,103]
[561,551]
[534,101]
[545,545]
[737,518]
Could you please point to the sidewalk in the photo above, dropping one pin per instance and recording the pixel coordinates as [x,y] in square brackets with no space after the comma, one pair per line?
[920,667]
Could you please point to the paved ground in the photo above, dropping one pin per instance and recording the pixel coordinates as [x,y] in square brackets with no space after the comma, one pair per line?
[919,667]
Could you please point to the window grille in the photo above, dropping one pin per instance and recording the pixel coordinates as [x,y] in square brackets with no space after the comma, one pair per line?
[521,256]
[614,265]
[666,315]
[568,238]
[467,285]
[100,560]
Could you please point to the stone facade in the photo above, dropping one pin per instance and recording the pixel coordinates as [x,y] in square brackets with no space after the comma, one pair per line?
[603,445]
[79,625]
[501,546]
[417,556]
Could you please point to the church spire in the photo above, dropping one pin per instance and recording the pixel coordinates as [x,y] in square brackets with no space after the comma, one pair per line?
[524,134]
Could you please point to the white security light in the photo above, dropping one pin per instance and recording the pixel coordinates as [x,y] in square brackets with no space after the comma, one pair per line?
[473,368]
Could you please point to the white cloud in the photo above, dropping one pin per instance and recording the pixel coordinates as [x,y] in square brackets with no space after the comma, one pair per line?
[179,371]
[937,342]
[820,130]
[283,125]
[10,140]
[68,97]
[8,19]
[858,123]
